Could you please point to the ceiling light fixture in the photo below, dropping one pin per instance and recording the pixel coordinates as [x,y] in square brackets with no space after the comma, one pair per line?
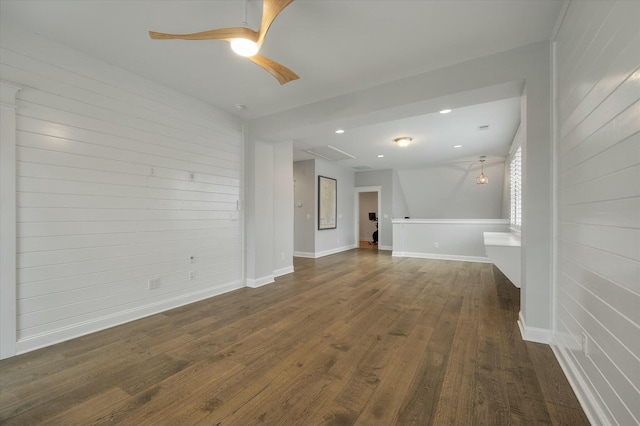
[457,146]
[482,179]
[445,111]
[339,131]
[380,156]
[403,141]
[244,47]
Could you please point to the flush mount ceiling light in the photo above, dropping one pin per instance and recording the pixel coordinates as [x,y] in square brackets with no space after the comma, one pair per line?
[482,179]
[457,146]
[339,131]
[380,156]
[445,111]
[403,141]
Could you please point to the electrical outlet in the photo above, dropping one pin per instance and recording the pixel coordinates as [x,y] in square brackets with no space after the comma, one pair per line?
[585,344]
[282,255]
[192,258]
[153,283]
[436,245]
[192,176]
[192,275]
[152,171]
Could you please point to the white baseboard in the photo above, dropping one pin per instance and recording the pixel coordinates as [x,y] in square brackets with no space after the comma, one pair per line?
[325,252]
[259,282]
[437,256]
[335,250]
[305,254]
[87,327]
[387,248]
[590,405]
[283,271]
[534,334]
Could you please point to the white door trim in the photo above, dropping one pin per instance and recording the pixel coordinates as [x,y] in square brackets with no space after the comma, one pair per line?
[356,227]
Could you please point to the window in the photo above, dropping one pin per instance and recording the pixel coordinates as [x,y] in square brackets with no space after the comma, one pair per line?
[515,184]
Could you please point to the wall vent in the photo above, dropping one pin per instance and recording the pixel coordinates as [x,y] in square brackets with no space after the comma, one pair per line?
[483,127]
[362,168]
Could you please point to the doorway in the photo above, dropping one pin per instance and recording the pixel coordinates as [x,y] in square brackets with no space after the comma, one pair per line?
[367,217]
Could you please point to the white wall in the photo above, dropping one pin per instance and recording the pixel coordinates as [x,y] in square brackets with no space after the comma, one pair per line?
[304,174]
[8,219]
[450,239]
[400,208]
[283,208]
[343,237]
[450,191]
[260,182]
[104,198]
[368,204]
[598,199]
[309,241]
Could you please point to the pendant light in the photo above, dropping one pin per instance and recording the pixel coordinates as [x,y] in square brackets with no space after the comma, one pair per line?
[482,179]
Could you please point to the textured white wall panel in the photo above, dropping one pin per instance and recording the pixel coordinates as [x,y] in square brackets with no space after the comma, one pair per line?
[598,199]
[119,180]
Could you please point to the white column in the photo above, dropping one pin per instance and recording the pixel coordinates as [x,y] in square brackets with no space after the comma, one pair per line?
[8,219]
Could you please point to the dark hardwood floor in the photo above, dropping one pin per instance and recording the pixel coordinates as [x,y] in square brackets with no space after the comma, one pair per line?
[354,338]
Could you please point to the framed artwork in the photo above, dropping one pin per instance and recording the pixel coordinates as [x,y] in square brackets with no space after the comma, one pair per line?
[327,202]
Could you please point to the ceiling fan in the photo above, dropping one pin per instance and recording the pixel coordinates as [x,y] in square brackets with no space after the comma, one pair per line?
[244,41]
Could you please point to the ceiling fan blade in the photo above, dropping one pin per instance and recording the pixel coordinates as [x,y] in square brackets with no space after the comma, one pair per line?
[219,34]
[283,74]
[270,11]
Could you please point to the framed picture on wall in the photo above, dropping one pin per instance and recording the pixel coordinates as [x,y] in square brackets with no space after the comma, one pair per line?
[327,202]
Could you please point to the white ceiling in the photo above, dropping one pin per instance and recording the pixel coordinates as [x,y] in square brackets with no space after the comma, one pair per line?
[336,46]
[434,137]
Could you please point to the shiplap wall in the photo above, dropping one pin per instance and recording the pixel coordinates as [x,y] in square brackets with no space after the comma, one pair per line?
[105,196]
[598,195]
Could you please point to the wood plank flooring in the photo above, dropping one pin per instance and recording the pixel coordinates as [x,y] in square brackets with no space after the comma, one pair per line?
[354,338]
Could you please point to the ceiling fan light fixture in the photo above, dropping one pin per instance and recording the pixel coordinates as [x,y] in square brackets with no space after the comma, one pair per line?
[244,47]
[403,141]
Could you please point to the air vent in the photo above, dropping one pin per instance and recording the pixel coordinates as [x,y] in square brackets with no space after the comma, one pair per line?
[329,153]
[483,127]
[362,168]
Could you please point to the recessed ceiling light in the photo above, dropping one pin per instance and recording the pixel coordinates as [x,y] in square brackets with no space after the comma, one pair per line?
[339,131]
[380,156]
[457,146]
[445,111]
